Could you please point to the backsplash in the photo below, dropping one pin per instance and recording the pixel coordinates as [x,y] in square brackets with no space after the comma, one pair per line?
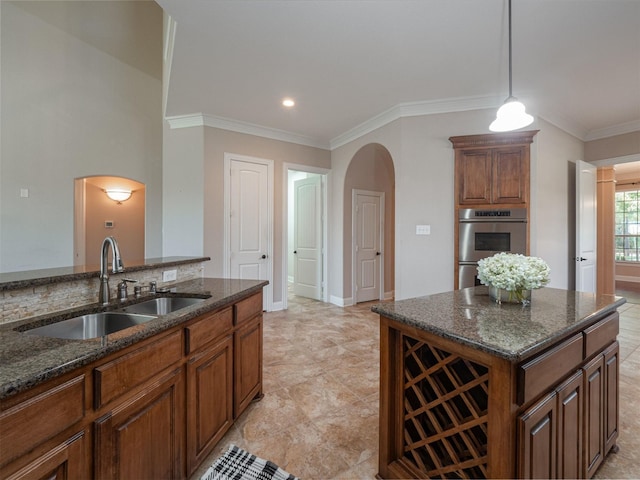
[31,301]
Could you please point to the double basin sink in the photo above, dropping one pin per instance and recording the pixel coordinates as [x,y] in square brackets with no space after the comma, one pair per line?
[95,325]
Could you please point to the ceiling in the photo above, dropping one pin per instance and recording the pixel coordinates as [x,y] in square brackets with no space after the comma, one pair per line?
[349,64]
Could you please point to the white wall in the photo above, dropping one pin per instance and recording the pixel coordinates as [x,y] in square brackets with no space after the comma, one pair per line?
[183,192]
[68,110]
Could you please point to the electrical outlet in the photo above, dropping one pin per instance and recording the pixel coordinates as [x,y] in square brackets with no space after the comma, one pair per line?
[169,275]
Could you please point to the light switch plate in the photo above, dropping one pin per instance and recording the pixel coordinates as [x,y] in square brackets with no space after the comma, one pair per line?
[423,229]
[169,275]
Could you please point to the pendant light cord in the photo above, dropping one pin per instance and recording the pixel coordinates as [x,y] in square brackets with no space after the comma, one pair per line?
[510,91]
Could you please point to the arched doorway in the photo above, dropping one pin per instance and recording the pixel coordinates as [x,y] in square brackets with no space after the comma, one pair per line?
[369,225]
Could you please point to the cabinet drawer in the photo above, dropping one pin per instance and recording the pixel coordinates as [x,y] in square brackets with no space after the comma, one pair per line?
[601,334]
[120,375]
[207,328]
[247,308]
[544,371]
[41,417]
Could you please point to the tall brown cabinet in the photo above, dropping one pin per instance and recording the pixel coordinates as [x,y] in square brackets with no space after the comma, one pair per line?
[491,171]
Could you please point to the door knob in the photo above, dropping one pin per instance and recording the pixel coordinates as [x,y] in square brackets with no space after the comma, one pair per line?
[295,251]
[264,256]
[378,253]
[580,259]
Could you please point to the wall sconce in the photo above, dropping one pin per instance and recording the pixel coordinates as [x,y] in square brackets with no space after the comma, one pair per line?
[118,194]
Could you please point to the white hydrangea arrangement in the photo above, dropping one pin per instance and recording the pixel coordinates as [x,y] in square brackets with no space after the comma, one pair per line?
[513,272]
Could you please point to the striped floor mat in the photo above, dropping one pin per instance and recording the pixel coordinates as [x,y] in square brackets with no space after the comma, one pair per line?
[237,464]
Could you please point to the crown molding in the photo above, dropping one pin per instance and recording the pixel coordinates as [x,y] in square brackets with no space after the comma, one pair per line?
[205,120]
[415,109]
[566,125]
[605,162]
[613,131]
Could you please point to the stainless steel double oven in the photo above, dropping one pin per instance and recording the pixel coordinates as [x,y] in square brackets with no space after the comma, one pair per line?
[483,233]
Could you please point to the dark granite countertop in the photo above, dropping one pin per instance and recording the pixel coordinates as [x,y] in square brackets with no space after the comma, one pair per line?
[32,278]
[509,331]
[27,360]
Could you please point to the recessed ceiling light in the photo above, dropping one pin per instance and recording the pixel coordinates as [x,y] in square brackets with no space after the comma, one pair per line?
[288,102]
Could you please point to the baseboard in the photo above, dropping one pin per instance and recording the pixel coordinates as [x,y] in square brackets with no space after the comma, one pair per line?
[341,302]
[275,306]
[389,295]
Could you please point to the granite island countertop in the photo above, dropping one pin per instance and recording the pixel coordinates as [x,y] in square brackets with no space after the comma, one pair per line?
[28,360]
[514,332]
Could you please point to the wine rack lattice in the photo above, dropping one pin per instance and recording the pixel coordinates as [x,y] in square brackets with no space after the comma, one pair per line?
[445,412]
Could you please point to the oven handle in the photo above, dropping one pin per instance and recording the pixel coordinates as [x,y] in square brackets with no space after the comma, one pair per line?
[489,220]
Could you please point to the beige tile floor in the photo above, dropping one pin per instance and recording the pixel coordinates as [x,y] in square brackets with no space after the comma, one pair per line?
[319,416]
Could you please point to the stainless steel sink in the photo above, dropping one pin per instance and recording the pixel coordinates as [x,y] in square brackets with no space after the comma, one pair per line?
[93,325]
[162,305]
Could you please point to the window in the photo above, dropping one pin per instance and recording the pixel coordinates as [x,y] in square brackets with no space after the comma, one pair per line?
[627,226]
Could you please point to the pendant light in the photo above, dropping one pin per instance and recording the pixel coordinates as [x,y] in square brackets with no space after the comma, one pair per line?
[511,115]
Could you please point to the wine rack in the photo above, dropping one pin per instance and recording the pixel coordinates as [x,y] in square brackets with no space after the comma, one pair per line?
[445,412]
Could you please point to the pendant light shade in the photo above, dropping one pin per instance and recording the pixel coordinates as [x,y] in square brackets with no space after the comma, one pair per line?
[511,115]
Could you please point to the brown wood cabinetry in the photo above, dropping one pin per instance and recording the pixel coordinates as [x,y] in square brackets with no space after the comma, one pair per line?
[550,434]
[537,434]
[142,437]
[494,176]
[248,364]
[582,413]
[210,396]
[448,409]
[492,169]
[154,409]
[65,461]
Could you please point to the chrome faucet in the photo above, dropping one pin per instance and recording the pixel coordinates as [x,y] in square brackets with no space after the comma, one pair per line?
[117,267]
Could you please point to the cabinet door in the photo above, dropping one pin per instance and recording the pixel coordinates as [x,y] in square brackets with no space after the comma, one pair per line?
[611,412]
[65,461]
[594,374]
[473,169]
[247,364]
[142,437]
[537,439]
[209,400]
[570,418]
[510,175]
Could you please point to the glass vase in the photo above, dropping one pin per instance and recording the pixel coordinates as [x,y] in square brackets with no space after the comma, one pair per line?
[499,295]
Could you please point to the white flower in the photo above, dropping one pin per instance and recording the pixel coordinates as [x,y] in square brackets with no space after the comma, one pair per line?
[512,271]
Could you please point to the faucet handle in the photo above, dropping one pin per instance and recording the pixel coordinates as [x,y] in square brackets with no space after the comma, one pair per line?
[137,290]
[122,288]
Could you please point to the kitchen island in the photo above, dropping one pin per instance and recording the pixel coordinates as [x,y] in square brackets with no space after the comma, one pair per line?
[474,389]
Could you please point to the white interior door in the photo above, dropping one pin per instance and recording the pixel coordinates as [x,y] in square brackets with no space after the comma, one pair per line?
[586,227]
[307,237]
[367,247]
[249,220]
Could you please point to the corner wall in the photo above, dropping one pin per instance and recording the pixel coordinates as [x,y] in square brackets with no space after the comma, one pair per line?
[69,110]
[194,191]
